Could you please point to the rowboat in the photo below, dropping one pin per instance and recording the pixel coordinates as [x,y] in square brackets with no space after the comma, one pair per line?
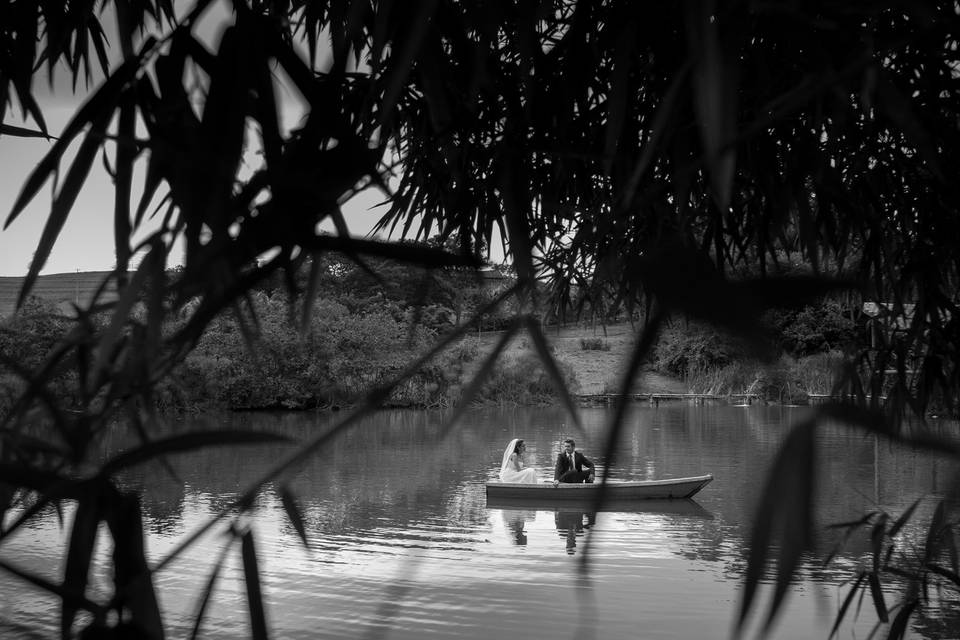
[517,494]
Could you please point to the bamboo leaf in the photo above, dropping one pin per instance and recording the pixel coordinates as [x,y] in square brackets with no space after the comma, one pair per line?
[208,591]
[125,155]
[935,532]
[876,592]
[106,350]
[665,110]
[251,571]
[897,107]
[950,575]
[373,400]
[854,523]
[846,604]
[898,629]
[98,108]
[53,496]
[267,114]
[22,132]
[63,203]
[399,68]
[480,377]
[292,509]
[783,517]
[30,104]
[28,445]
[427,257]
[133,585]
[874,421]
[7,493]
[69,596]
[96,36]
[877,535]
[904,518]
[714,91]
[310,295]
[187,442]
[83,535]
[222,126]
[619,90]
[36,390]
[546,358]
[640,352]
[683,280]
[796,482]
[147,100]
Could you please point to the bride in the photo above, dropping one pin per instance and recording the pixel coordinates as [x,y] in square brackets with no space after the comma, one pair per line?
[512,467]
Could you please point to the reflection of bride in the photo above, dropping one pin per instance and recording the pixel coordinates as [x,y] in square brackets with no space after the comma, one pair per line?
[512,467]
[516,522]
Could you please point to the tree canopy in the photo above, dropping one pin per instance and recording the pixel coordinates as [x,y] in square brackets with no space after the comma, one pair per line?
[665,155]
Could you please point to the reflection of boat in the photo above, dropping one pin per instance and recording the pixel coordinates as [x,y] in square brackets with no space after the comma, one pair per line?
[535,494]
[681,507]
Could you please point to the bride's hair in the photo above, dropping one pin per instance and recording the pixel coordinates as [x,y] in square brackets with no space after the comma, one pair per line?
[516,447]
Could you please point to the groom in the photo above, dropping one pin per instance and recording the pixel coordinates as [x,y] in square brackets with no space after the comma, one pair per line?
[570,465]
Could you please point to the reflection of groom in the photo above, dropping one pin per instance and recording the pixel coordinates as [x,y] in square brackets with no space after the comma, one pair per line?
[570,465]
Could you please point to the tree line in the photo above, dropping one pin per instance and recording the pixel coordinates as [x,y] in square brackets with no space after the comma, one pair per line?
[367,321]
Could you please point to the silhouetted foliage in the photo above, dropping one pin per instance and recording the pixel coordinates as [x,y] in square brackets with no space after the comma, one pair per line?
[629,155]
[816,329]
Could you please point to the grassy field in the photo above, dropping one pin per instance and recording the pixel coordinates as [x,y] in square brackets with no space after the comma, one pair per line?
[62,289]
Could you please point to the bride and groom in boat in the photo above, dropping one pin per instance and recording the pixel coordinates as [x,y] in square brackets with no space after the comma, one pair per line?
[571,465]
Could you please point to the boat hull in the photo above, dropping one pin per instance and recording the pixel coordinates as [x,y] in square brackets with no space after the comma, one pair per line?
[618,492]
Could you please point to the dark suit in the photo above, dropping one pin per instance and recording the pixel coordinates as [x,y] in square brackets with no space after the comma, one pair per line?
[565,472]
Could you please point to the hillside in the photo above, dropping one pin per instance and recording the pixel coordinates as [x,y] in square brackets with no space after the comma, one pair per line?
[597,371]
[62,289]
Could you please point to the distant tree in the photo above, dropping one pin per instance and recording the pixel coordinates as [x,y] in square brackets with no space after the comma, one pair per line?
[27,338]
[639,152]
[816,328]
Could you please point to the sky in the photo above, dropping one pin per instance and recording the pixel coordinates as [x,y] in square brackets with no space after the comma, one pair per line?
[86,241]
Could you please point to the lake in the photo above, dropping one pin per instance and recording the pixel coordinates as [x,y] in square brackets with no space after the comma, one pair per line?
[403,545]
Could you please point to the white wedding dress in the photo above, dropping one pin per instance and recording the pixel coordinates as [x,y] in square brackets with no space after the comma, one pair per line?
[512,468]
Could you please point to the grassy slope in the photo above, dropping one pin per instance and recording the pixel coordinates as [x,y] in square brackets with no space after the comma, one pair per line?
[598,371]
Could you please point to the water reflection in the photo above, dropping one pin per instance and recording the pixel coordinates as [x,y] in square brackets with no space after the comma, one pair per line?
[516,521]
[396,510]
[571,525]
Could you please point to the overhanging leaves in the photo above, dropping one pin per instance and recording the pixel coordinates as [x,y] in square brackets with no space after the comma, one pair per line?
[186,442]
[783,520]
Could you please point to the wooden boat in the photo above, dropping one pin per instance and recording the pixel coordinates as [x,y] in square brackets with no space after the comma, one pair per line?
[617,492]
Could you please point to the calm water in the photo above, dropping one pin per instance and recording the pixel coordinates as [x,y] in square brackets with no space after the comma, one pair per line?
[404,546]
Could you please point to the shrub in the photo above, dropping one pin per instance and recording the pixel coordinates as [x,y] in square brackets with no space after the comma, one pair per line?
[686,350]
[813,329]
[522,380]
[26,339]
[594,344]
[340,355]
